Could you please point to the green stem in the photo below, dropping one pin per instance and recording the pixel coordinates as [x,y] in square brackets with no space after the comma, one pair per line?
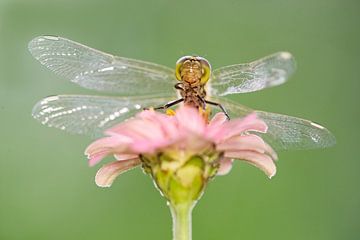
[181,215]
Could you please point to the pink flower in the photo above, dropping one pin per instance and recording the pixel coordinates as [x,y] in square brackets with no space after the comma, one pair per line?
[152,133]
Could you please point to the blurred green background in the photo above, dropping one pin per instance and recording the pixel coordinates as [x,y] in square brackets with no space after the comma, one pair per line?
[47,190]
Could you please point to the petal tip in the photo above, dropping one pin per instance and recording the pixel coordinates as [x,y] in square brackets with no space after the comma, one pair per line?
[270,176]
[102,185]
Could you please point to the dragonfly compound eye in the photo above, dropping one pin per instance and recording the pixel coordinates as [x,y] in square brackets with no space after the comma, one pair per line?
[206,69]
[179,65]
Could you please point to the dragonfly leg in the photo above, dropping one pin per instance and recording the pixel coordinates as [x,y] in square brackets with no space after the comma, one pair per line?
[220,106]
[179,86]
[203,102]
[170,104]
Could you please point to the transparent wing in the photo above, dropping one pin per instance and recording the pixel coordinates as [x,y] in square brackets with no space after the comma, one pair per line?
[100,71]
[266,72]
[89,115]
[286,132]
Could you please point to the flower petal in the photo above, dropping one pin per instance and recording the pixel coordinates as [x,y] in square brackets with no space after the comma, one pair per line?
[167,124]
[124,156]
[104,146]
[146,131]
[247,124]
[107,142]
[93,159]
[190,121]
[249,142]
[225,166]
[270,151]
[262,161]
[138,129]
[221,132]
[107,173]
[218,119]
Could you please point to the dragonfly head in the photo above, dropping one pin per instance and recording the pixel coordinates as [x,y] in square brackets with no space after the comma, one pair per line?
[193,68]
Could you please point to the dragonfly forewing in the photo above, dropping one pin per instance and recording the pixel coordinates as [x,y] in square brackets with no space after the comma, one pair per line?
[93,69]
[266,72]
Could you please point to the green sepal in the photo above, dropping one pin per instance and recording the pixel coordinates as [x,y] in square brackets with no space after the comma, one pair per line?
[182,176]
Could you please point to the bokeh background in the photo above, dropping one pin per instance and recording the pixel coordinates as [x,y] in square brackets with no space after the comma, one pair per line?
[47,190]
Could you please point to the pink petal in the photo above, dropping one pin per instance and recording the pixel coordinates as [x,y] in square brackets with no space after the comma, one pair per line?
[235,127]
[194,143]
[107,173]
[225,166]
[190,121]
[104,146]
[124,156]
[262,161]
[246,142]
[134,127]
[218,120]
[164,132]
[138,129]
[97,157]
[168,124]
[239,126]
[106,142]
[149,134]
[270,151]
[147,146]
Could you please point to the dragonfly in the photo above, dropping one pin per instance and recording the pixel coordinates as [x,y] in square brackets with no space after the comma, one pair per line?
[139,84]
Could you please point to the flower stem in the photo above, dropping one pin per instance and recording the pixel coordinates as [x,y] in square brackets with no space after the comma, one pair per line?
[181,215]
